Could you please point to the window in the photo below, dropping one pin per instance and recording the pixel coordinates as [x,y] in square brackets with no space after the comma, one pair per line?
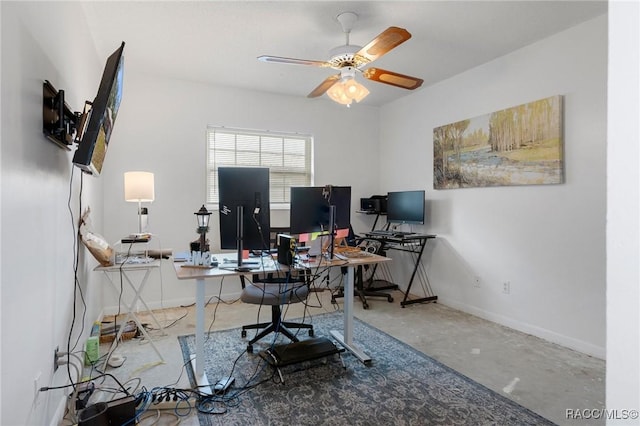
[288,157]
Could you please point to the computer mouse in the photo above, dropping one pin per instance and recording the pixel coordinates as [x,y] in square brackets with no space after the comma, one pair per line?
[243,269]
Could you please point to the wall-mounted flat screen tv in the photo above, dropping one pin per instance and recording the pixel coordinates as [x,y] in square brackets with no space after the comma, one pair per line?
[95,134]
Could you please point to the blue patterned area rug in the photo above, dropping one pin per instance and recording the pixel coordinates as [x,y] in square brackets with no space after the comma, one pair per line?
[402,386]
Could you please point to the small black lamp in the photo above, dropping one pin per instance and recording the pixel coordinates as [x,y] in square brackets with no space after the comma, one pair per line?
[202,216]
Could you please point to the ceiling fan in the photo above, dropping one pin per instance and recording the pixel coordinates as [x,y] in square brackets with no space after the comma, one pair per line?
[349,59]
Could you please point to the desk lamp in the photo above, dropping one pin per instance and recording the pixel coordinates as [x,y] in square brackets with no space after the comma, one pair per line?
[138,187]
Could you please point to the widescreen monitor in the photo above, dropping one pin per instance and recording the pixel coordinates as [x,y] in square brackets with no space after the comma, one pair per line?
[310,207]
[246,187]
[405,207]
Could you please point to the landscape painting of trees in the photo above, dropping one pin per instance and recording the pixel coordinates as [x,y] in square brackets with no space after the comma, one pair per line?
[521,145]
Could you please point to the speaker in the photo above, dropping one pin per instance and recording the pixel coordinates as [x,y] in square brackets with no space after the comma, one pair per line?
[381,203]
[370,246]
[286,249]
[368,205]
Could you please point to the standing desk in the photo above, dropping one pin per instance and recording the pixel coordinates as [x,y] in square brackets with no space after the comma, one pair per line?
[346,339]
[200,275]
[126,272]
[269,265]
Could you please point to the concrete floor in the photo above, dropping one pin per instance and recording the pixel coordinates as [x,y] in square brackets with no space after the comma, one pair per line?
[544,377]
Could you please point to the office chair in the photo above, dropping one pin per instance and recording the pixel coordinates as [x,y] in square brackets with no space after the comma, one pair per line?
[275,290]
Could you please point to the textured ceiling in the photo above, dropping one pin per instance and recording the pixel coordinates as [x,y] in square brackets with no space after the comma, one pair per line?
[217,42]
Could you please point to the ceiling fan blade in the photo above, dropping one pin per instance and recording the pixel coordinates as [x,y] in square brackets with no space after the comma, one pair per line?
[392,78]
[281,60]
[383,43]
[324,86]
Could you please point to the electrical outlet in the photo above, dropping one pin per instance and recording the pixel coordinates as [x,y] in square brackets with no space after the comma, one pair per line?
[506,287]
[476,281]
[55,358]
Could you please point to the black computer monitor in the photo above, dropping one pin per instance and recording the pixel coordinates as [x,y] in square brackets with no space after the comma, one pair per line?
[405,207]
[310,208]
[244,208]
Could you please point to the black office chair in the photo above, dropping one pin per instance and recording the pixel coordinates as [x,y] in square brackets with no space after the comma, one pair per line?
[363,287]
[275,290]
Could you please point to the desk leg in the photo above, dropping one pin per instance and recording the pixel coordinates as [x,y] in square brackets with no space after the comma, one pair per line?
[197,359]
[139,297]
[417,260]
[132,315]
[347,339]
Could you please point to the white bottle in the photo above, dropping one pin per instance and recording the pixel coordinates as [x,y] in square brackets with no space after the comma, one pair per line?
[144,220]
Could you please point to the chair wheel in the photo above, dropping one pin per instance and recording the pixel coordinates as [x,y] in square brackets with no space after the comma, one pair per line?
[311,332]
[365,306]
[390,299]
[244,333]
[250,349]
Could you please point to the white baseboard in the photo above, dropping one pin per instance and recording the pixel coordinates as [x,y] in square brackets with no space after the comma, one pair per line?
[58,416]
[551,336]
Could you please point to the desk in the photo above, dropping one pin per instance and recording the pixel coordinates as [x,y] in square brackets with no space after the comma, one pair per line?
[125,271]
[269,265]
[413,244]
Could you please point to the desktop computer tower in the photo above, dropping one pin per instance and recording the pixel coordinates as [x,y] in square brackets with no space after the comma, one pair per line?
[286,249]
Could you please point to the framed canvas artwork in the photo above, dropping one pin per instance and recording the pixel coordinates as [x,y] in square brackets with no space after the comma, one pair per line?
[522,145]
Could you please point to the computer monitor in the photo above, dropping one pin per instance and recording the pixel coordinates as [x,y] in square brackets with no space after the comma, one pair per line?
[244,208]
[310,208]
[405,207]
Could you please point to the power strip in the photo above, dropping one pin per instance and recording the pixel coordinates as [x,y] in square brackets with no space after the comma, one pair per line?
[179,404]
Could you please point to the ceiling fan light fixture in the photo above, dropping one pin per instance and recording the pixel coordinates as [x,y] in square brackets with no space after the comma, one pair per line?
[347,90]
[337,94]
[356,90]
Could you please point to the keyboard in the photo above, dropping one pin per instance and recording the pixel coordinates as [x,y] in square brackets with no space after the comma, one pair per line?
[403,233]
[382,232]
[386,233]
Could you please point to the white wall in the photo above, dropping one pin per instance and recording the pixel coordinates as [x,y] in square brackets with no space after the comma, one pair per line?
[547,241]
[37,232]
[161,128]
[623,213]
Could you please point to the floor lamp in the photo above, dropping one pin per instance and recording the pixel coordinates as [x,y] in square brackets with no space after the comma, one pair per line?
[138,187]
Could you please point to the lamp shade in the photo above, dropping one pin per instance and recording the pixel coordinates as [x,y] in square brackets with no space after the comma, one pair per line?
[347,90]
[138,187]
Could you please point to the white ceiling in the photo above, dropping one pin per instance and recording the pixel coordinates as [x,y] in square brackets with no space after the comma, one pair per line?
[217,42]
